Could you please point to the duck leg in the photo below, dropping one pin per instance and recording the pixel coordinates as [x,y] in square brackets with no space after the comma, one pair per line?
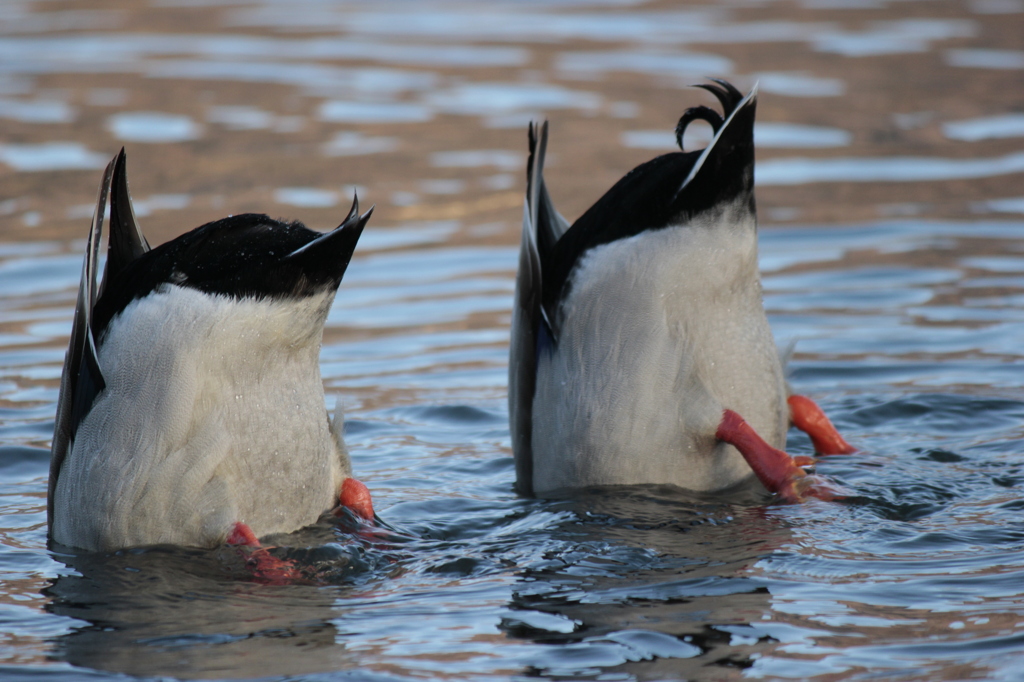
[355,496]
[809,418]
[264,566]
[271,570]
[776,470]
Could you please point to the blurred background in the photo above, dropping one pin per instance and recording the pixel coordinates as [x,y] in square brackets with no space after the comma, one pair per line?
[890,189]
[868,109]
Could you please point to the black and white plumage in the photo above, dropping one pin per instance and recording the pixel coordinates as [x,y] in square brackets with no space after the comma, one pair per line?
[636,327]
[191,398]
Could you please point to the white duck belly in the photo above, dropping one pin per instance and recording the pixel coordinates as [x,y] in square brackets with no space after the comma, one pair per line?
[658,334]
[212,424]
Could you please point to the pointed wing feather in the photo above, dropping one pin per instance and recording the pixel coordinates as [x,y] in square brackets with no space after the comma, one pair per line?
[550,218]
[126,241]
[548,224]
[542,227]
[81,380]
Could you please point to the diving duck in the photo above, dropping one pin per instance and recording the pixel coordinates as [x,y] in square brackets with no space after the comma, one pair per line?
[640,350]
[191,408]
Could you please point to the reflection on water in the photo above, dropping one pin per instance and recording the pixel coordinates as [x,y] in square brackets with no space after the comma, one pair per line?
[766,135]
[338,111]
[894,37]
[190,613]
[986,59]
[50,156]
[152,126]
[36,111]
[670,64]
[308,197]
[889,173]
[796,171]
[972,130]
[157,613]
[648,576]
[642,582]
[357,144]
[799,84]
[1009,205]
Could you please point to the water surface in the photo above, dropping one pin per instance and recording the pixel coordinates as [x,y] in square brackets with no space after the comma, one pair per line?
[891,202]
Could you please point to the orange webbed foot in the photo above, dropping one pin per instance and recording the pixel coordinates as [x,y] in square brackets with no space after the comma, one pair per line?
[355,496]
[242,535]
[809,418]
[777,471]
[264,566]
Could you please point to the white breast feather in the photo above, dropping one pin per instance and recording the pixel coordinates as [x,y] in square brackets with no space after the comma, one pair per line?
[659,334]
[213,413]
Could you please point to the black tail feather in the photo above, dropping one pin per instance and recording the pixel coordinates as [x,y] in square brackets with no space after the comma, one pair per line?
[126,241]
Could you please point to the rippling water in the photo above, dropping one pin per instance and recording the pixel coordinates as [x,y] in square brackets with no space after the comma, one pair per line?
[891,198]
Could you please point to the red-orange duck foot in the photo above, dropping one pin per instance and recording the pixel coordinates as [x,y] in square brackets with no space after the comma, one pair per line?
[264,566]
[355,496]
[777,471]
[241,534]
[809,418]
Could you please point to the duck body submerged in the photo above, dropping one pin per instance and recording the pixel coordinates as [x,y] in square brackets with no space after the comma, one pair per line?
[192,399]
[685,337]
[636,328]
